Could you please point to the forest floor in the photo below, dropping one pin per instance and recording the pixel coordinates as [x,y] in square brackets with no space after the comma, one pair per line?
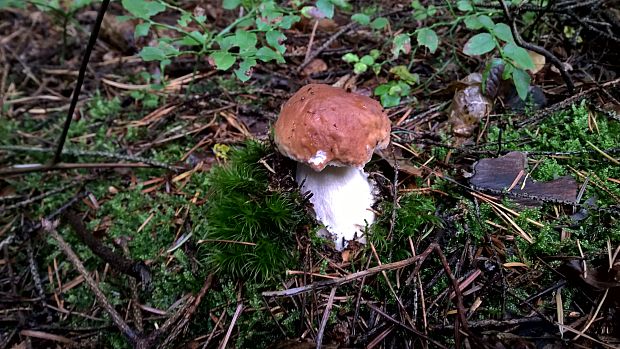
[168,218]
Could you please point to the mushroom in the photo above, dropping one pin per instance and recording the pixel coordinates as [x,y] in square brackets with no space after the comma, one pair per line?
[332,134]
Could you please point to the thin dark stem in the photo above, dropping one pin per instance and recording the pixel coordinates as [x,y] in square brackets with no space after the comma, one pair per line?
[80,80]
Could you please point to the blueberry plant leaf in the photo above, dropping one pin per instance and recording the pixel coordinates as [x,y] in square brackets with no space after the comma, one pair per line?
[502,31]
[231,4]
[361,18]
[244,72]
[521,80]
[142,29]
[479,44]
[142,8]
[223,60]
[519,56]
[401,43]
[150,53]
[427,37]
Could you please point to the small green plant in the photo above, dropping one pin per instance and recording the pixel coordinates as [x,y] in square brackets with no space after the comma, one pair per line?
[247,227]
[254,37]
[361,65]
[498,36]
[392,91]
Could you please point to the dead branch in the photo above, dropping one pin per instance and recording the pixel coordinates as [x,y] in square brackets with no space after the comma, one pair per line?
[102,154]
[117,319]
[138,270]
[187,312]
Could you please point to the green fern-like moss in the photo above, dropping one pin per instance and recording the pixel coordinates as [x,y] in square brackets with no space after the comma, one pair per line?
[248,226]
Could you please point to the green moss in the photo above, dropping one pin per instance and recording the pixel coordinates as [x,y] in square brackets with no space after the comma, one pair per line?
[548,169]
[247,226]
[415,218]
[100,108]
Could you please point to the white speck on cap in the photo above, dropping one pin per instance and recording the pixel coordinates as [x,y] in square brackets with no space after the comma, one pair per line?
[318,158]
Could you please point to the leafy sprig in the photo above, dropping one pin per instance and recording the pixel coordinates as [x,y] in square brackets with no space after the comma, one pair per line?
[255,36]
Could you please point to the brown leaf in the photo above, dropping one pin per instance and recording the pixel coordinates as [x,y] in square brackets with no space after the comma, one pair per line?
[494,80]
[469,106]
[118,34]
[508,174]
[600,278]
[539,61]
[317,65]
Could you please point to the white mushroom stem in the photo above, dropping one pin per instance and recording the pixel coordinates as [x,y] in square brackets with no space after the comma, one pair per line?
[342,199]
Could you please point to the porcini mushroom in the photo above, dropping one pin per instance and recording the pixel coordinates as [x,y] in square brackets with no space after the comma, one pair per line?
[332,134]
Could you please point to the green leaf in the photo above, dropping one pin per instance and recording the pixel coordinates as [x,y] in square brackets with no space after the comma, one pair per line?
[245,40]
[231,4]
[404,88]
[184,20]
[395,90]
[431,10]
[266,54]
[382,89]
[472,22]
[487,22]
[142,8]
[168,49]
[419,11]
[379,23]
[518,56]
[310,12]
[244,72]
[12,3]
[508,68]
[374,53]
[201,19]
[275,38]
[223,60]
[427,37]
[226,42]
[401,43]
[464,5]
[342,4]
[326,7]
[142,29]
[361,18]
[404,74]
[479,44]
[521,80]
[150,53]
[368,60]
[288,21]
[359,68]
[502,31]
[350,58]
[194,38]
[388,100]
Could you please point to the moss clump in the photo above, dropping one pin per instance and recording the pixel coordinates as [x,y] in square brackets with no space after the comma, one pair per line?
[415,217]
[247,226]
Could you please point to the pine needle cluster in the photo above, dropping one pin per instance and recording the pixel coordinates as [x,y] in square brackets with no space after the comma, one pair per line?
[247,227]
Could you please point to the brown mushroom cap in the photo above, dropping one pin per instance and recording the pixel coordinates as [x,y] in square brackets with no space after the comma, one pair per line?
[322,125]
